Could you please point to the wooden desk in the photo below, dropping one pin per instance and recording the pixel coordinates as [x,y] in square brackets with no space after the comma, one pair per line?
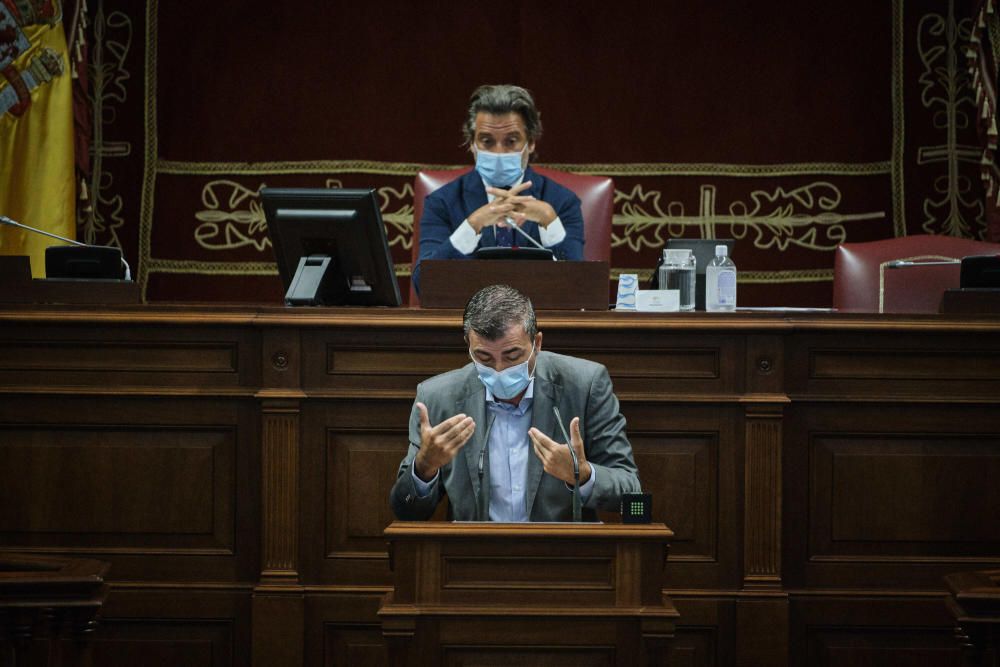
[974,601]
[52,601]
[821,472]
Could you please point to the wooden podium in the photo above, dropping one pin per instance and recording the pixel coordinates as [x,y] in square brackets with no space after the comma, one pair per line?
[448,283]
[533,593]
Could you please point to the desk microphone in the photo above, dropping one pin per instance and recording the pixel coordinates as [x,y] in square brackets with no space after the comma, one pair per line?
[526,235]
[13,223]
[905,263]
[577,511]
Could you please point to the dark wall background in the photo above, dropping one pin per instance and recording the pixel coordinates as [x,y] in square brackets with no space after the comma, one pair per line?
[788,126]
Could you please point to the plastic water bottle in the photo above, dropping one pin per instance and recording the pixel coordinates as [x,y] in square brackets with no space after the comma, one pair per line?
[720,282]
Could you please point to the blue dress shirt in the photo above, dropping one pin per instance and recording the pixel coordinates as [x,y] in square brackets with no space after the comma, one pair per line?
[509,449]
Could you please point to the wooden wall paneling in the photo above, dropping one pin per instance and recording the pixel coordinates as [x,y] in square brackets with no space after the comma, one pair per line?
[687,456]
[278,602]
[351,451]
[762,629]
[871,629]
[762,609]
[762,494]
[129,354]
[280,490]
[278,625]
[343,629]
[888,430]
[360,361]
[278,599]
[658,363]
[160,488]
[190,625]
[891,496]
[905,362]
[705,633]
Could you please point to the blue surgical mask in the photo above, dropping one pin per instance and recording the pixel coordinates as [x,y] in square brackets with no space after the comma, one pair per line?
[509,382]
[500,170]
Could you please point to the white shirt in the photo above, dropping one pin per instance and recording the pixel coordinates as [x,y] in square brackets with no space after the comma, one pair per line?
[466,240]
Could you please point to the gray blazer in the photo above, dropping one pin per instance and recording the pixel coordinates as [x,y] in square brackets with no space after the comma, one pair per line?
[579,388]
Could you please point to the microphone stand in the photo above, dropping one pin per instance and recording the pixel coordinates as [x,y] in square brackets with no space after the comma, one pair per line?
[577,509]
[13,223]
[517,228]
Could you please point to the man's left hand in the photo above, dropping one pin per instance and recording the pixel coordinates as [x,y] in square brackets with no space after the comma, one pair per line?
[555,457]
[526,207]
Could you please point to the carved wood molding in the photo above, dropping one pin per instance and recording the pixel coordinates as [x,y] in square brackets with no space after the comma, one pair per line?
[280,492]
[762,480]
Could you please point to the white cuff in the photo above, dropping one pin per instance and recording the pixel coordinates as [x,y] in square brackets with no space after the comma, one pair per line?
[553,234]
[465,239]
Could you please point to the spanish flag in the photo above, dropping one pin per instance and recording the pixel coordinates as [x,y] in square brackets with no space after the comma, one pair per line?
[37,181]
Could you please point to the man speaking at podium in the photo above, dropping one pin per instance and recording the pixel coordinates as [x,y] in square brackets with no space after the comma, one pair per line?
[490,435]
[476,210]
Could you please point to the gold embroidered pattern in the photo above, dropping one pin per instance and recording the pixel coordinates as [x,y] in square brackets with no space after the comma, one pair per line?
[806,216]
[945,88]
[233,217]
[103,216]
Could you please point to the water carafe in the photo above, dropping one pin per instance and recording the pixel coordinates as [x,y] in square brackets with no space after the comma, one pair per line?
[677,272]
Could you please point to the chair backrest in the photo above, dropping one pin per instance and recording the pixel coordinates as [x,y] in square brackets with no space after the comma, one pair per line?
[863,280]
[597,201]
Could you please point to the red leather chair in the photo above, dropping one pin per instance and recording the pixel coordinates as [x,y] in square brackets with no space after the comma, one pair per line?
[863,280]
[597,200]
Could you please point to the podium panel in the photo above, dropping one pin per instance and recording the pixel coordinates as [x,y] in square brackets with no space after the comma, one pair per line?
[483,593]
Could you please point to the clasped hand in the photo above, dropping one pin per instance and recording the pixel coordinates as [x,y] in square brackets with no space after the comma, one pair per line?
[510,206]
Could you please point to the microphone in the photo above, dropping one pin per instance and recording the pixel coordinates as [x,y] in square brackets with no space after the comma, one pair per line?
[13,223]
[482,491]
[526,235]
[482,509]
[577,510]
[903,263]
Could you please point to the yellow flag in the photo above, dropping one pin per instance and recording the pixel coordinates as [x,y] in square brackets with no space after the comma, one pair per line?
[37,181]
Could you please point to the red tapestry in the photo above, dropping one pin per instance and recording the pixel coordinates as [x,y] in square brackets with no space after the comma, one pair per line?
[790,127]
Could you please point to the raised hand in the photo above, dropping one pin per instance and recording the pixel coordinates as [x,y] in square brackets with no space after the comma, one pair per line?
[555,457]
[440,444]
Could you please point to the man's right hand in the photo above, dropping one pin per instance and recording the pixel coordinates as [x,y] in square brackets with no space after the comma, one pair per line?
[440,444]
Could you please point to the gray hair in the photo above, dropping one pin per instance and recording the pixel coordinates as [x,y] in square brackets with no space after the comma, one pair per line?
[494,309]
[503,99]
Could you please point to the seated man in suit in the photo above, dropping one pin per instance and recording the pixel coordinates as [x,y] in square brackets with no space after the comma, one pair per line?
[476,209]
[487,435]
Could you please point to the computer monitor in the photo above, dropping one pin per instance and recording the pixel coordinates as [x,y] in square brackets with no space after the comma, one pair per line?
[330,246]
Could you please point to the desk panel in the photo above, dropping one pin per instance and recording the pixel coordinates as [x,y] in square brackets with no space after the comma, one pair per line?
[235,457]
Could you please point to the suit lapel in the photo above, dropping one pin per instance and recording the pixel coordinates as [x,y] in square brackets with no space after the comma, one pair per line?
[473,197]
[546,395]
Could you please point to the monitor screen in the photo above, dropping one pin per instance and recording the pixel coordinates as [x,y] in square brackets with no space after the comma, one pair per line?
[330,246]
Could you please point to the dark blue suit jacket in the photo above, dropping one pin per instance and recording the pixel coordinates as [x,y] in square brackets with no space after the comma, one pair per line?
[448,206]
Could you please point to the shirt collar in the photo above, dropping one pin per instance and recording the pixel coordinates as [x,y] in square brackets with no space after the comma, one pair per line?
[520,408]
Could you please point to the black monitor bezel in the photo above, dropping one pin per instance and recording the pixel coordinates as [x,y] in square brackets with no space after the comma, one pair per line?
[288,237]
